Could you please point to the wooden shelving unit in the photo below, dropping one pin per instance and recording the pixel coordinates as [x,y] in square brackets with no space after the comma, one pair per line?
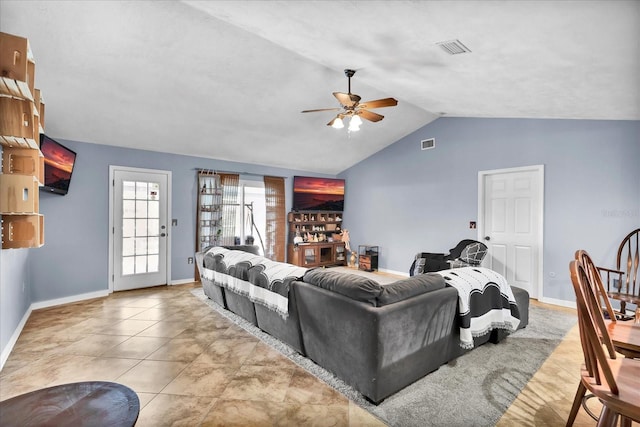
[314,239]
[209,211]
[21,123]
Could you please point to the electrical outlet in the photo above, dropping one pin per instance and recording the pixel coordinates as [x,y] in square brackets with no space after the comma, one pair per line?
[190,260]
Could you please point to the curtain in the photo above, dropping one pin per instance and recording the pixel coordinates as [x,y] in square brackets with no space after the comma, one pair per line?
[276,218]
[229,208]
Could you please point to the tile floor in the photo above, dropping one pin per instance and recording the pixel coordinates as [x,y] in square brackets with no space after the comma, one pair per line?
[192,367]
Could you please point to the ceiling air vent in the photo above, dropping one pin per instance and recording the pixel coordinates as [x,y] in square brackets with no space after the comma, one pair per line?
[453,47]
[427,144]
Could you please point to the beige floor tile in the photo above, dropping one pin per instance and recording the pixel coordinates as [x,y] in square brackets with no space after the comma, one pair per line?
[179,349]
[174,410]
[231,351]
[136,347]
[161,313]
[94,369]
[304,388]
[145,398]
[127,327]
[144,303]
[262,354]
[119,312]
[94,345]
[163,329]
[202,379]
[242,413]
[200,366]
[259,383]
[358,417]
[151,376]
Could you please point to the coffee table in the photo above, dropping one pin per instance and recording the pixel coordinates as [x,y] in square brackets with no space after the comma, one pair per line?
[91,403]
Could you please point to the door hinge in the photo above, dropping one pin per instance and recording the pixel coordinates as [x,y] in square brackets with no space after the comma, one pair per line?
[113,183]
[113,278]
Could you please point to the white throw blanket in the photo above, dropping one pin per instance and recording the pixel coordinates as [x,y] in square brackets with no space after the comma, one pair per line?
[272,289]
[486,302]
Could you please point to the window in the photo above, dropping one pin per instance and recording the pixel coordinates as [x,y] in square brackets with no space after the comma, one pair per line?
[251,217]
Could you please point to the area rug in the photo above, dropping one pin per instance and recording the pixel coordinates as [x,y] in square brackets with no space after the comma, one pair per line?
[473,390]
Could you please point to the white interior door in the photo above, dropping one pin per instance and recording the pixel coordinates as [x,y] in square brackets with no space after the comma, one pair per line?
[511,224]
[139,244]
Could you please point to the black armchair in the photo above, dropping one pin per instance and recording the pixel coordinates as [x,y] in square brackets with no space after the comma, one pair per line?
[466,253]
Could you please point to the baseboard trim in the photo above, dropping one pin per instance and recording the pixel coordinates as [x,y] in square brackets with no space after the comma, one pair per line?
[397,273]
[14,338]
[182,281]
[559,302]
[66,300]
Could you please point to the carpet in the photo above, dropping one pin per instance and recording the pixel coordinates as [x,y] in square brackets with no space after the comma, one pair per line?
[473,390]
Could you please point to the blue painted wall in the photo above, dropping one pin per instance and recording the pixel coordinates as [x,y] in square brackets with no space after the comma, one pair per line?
[406,200]
[403,199]
[74,259]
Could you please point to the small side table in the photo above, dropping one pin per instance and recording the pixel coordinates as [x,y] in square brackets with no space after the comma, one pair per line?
[367,257]
[91,403]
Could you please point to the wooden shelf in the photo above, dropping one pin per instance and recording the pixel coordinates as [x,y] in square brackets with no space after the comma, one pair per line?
[314,239]
[21,123]
[22,231]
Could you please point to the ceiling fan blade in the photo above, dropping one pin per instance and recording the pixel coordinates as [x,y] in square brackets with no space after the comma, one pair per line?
[370,115]
[321,109]
[347,99]
[379,103]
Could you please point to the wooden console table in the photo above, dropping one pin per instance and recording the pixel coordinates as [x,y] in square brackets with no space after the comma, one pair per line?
[92,403]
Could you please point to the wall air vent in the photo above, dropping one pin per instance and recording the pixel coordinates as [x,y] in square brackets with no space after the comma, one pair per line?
[427,144]
[453,47]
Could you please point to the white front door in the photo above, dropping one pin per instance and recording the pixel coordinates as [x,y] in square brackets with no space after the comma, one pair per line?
[139,244]
[511,224]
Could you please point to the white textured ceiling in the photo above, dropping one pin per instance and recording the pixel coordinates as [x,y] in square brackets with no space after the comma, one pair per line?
[228,79]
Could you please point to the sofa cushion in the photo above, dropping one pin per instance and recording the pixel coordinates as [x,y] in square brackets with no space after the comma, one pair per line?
[407,288]
[353,286]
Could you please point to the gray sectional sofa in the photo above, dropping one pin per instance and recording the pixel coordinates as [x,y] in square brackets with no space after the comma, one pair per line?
[376,338]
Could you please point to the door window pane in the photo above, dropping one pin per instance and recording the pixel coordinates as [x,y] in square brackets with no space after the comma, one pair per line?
[128,227]
[128,190]
[127,266]
[141,209]
[128,246]
[154,209]
[129,209]
[141,241]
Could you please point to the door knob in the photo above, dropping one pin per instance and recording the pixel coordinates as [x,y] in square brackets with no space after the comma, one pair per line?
[162,234]
[487,238]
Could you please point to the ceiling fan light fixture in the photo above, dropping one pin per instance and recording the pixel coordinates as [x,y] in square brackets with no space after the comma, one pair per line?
[355,120]
[337,123]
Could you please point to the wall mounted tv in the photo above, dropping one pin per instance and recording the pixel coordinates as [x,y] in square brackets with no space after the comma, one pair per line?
[318,194]
[58,165]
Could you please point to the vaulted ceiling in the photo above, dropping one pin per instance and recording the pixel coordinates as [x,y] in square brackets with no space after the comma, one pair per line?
[228,79]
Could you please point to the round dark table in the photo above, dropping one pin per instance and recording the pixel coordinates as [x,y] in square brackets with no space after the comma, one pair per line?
[91,403]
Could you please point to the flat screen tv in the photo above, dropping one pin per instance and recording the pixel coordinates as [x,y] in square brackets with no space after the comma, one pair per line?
[58,165]
[318,194]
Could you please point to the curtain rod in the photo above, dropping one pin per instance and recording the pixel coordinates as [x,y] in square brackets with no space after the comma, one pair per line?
[238,173]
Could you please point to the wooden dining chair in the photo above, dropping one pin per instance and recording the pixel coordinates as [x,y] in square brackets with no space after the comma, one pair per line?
[622,282]
[615,382]
[625,336]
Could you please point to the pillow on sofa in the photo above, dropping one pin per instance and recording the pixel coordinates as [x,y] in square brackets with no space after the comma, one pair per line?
[407,288]
[353,286]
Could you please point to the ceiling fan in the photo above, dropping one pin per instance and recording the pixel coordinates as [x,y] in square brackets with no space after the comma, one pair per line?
[353,108]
